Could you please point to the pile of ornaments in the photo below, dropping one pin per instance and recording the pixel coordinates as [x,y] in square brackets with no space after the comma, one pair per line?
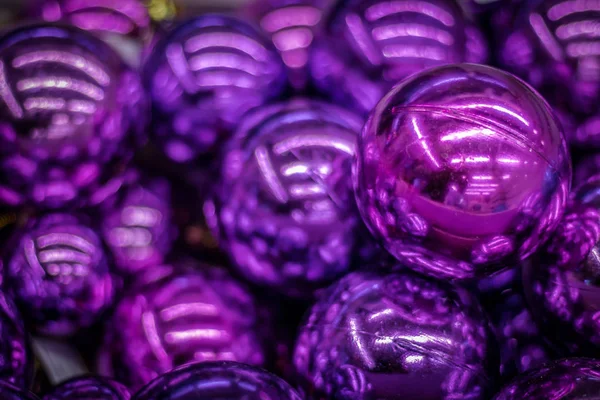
[301,199]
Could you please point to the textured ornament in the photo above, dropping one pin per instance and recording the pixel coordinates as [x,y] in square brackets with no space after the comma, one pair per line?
[10,392]
[461,169]
[203,76]
[89,388]
[387,336]
[71,112]
[16,363]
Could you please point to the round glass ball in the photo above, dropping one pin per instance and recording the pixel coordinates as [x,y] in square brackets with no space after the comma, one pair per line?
[89,387]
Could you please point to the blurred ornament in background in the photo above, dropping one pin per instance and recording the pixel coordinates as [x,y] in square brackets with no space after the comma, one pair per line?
[89,388]
[16,361]
[202,76]
[587,168]
[218,380]
[379,336]
[462,170]
[284,209]
[10,392]
[72,113]
[58,274]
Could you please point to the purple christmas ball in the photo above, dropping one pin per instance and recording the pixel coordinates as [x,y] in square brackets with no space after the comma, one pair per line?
[16,362]
[10,392]
[217,380]
[383,336]
[567,379]
[70,116]
[461,169]
[58,274]
[285,204]
[203,76]
[369,46]
[178,315]
[89,388]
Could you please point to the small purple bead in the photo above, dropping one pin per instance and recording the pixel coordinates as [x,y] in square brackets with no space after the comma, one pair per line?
[58,274]
[203,76]
[217,380]
[387,336]
[89,388]
[461,169]
[16,362]
[10,392]
[72,113]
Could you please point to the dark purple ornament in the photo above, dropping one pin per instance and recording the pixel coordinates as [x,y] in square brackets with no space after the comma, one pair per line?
[71,113]
[58,274]
[89,388]
[10,392]
[461,169]
[203,76]
[217,380]
[16,362]
[389,336]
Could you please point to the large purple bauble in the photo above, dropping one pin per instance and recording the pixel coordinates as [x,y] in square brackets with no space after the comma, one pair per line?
[568,379]
[89,388]
[16,363]
[70,113]
[285,203]
[217,380]
[370,45]
[461,169]
[395,336]
[58,274]
[180,314]
[10,392]
[203,76]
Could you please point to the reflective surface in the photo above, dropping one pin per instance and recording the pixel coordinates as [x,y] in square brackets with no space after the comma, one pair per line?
[286,209]
[203,76]
[395,336]
[10,392]
[213,381]
[70,113]
[89,388]
[180,314]
[16,361]
[58,274]
[461,168]
[568,379]
[371,45]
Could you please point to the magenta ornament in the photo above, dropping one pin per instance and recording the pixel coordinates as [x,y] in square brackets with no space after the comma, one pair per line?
[383,336]
[10,392]
[71,114]
[89,388]
[461,169]
[16,361]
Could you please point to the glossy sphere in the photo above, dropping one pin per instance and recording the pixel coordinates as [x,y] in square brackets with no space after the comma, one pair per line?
[203,76]
[213,381]
[70,113]
[89,388]
[16,363]
[10,392]
[286,210]
[186,313]
[58,274]
[568,379]
[395,336]
[370,45]
[461,167]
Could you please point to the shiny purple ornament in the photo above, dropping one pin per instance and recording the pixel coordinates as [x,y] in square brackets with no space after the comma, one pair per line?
[203,76]
[217,380]
[58,274]
[389,336]
[285,204]
[568,379]
[10,392]
[89,388]
[371,45]
[71,112]
[16,362]
[461,169]
[177,315]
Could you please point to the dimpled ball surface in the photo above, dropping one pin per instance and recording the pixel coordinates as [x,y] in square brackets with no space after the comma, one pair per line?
[203,76]
[89,388]
[395,336]
[10,392]
[285,208]
[217,380]
[568,379]
[16,361]
[180,314]
[461,167]
[59,275]
[70,113]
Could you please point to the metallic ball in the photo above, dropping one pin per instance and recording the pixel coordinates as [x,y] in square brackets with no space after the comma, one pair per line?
[71,113]
[568,379]
[58,274]
[177,315]
[203,76]
[462,169]
[285,204]
[217,380]
[370,45]
[387,336]
[16,362]
[10,392]
[88,388]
